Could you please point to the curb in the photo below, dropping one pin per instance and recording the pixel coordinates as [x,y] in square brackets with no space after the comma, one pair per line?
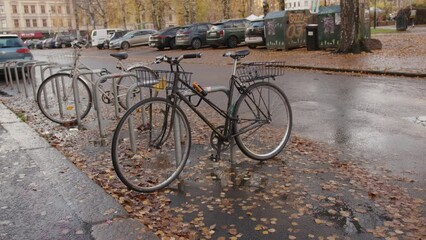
[371,72]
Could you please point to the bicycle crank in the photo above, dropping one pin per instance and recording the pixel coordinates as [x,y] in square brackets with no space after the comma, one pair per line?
[216,142]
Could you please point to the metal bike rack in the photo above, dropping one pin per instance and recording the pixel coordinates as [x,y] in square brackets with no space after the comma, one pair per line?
[103,79]
[27,66]
[40,64]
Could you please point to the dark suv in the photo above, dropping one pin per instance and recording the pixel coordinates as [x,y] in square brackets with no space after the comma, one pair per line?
[255,34]
[227,32]
[193,35]
[165,38]
[62,41]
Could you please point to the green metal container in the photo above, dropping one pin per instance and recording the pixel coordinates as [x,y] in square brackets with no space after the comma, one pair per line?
[286,29]
[329,27]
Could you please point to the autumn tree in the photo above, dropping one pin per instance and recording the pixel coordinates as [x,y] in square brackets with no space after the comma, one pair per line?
[352,40]
[226,8]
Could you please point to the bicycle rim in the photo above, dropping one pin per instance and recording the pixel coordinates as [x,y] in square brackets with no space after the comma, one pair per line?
[264,121]
[55,98]
[160,148]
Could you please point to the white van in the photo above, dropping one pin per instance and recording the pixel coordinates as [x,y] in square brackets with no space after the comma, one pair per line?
[100,35]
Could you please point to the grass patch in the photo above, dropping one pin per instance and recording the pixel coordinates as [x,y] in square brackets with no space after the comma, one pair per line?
[383,30]
[21,116]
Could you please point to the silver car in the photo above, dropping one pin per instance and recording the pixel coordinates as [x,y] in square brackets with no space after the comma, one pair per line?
[12,47]
[132,39]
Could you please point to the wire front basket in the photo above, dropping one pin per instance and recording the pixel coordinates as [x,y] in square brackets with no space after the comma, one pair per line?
[166,79]
[253,71]
[62,59]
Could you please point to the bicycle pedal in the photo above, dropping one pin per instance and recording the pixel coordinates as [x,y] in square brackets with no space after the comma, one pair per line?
[214,158]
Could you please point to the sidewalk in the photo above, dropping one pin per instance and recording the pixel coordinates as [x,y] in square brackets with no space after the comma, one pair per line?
[44,196]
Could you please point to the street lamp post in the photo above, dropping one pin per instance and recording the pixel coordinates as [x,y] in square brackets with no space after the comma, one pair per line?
[375,22]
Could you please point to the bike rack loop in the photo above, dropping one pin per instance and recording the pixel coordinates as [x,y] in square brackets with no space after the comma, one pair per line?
[103,79]
[27,66]
[34,77]
[76,93]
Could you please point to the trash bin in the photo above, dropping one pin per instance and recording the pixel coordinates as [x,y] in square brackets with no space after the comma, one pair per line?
[312,37]
[401,21]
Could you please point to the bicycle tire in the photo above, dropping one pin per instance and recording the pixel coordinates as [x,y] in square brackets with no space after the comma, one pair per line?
[257,134]
[153,164]
[60,108]
[123,84]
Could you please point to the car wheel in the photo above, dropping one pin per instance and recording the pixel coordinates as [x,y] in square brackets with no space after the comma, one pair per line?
[252,46]
[196,43]
[125,45]
[100,47]
[232,42]
[173,44]
[160,48]
[63,45]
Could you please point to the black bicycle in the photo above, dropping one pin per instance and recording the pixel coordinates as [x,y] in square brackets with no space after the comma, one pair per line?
[152,141]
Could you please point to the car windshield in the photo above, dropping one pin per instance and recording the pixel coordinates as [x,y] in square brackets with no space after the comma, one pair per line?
[129,34]
[10,42]
[257,24]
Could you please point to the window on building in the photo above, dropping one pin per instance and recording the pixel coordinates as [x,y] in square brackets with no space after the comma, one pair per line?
[59,9]
[14,9]
[69,23]
[34,22]
[43,9]
[53,9]
[68,9]
[306,3]
[33,9]
[61,22]
[26,9]
[44,22]
[1,8]
[3,23]
[298,4]
[27,23]
[170,18]
[16,23]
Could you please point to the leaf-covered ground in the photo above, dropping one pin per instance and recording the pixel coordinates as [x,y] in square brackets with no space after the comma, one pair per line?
[308,191]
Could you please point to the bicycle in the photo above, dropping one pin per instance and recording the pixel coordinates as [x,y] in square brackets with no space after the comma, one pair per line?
[259,121]
[55,96]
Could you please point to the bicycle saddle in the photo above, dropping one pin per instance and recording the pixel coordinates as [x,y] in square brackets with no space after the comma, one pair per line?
[238,54]
[120,56]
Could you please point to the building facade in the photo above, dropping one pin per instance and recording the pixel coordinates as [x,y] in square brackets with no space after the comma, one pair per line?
[30,16]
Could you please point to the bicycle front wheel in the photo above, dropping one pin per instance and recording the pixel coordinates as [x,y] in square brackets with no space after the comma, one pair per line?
[264,121]
[151,145]
[144,75]
[55,98]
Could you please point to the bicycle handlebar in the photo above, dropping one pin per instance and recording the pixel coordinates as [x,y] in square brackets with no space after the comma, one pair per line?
[176,60]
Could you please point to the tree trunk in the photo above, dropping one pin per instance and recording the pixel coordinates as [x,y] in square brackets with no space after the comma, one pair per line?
[193,11]
[123,13]
[351,40]
[186,9]
[226,12]
[282,5]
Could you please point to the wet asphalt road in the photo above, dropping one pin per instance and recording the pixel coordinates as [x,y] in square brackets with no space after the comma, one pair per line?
[379,120]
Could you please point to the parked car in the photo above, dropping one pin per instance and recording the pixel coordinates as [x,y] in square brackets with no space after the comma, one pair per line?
[49,43]
[12,47]
[194,35]
[132,39]
[113,36]
[228,33]
[39,44]
[31,43]
[166,38]
[63,41]
[99,36]
[255,34]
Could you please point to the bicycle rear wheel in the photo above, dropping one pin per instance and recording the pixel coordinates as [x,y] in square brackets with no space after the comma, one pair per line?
[149,150]
[264,121]
[55,98]
[144,75]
